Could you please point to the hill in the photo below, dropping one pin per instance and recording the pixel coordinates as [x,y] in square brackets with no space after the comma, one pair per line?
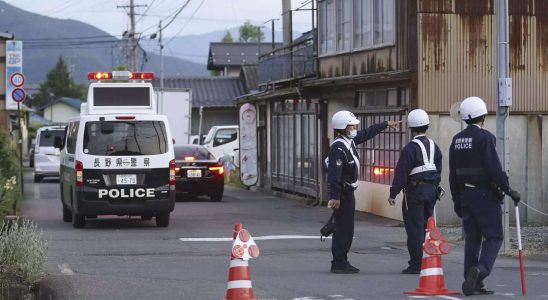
[84,47]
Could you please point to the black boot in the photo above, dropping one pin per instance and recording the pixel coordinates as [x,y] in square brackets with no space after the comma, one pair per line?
[469,286]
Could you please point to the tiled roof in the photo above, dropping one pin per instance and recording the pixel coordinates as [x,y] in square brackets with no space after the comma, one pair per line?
[208,91]
[236,54]
[72,102]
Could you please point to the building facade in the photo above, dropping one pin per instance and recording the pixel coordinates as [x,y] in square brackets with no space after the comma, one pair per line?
[383,58]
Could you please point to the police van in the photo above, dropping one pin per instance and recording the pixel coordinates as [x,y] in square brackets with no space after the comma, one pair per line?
[117,157]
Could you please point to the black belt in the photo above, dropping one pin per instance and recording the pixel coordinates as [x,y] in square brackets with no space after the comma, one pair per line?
[414,183]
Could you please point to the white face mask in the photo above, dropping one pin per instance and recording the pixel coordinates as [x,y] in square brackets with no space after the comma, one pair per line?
[352,133]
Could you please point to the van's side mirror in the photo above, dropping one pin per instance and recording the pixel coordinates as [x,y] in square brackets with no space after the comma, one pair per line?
[173,140]
[58,142]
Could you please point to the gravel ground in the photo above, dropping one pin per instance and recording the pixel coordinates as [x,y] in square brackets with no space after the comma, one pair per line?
[534,239]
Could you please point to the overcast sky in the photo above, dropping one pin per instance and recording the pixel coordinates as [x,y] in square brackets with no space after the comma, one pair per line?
[199,16]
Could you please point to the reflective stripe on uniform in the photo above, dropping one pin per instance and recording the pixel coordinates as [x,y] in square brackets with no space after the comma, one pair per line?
[428,161]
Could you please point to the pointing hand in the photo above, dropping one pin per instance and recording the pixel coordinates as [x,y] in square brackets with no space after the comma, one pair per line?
[393,124]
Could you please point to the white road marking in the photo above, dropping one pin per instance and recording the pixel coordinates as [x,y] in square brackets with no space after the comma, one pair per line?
[65,270]
[448,297]
[259,238]
[506,294]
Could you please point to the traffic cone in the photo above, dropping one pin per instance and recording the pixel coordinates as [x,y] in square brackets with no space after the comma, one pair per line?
[239,277]
[432,281]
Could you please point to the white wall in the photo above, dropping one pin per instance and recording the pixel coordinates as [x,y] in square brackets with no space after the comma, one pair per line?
[60,112]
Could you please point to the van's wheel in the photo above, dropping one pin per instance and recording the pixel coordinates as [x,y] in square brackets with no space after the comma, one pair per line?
[162,219]
[146,217]
[38,178]
[67,214]
[78,220]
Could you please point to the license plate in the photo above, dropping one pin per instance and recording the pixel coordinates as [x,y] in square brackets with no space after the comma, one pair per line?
[194,173]
[126,179]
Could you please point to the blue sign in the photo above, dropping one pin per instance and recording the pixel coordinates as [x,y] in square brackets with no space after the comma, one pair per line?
[18,94]
[14,64]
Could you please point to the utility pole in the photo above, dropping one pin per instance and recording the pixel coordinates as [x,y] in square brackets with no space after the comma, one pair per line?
[272,32]
[504,101]
[161,57]
[131,36]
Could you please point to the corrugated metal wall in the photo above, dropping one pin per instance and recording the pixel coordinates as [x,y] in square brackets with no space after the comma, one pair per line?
[457,54]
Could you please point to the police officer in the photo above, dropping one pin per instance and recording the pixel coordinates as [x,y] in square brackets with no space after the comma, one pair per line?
[477,181]
[418,174]
[342,177]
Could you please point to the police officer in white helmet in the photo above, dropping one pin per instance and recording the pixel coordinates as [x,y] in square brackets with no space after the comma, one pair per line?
[342,177]
[418,174]
[478,184]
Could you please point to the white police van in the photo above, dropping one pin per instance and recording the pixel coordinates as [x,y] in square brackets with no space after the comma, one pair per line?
[117,157]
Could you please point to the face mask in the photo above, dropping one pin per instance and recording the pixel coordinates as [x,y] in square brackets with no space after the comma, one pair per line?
[352,133]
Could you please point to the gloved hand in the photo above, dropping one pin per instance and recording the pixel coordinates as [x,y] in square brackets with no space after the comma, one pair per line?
[515,196]
[458,209]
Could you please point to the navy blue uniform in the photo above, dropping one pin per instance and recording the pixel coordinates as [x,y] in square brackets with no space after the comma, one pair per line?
[474,165]
[342,175]
[419,182]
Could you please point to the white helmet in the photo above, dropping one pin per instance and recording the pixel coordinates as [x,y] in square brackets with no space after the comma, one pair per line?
[343,118]
[417,118]
[472,107]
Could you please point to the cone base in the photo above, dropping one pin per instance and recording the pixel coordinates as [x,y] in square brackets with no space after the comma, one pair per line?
[432,293]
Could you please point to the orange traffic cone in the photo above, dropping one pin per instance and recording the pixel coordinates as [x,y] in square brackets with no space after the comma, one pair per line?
[239,277]
[432,281]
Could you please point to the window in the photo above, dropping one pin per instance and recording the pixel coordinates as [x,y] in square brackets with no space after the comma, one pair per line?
[380,154]
[122,138]
[224,136]
[47,136]
[72,134]
[355,24]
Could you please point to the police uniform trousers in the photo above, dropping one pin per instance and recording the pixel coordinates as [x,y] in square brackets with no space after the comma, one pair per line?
[481,219]
[416,209]
[344,232]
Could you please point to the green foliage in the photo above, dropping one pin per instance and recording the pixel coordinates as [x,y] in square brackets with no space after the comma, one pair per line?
[227,38]
[250,33]
[22,252]
[10,191]
[58,84]
[120,68]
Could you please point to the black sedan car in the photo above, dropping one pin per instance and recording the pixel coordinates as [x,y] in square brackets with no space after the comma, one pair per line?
[197,172]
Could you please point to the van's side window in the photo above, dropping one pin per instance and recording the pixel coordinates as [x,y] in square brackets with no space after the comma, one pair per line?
[224,136]
[72,133]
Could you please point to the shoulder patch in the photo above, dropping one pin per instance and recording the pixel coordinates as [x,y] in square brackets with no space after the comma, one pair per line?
[339,162]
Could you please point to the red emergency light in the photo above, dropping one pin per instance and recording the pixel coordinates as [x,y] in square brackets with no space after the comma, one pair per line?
[120,75]
[381,171]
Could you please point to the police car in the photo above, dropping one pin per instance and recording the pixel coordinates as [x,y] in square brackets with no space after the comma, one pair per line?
[117,157]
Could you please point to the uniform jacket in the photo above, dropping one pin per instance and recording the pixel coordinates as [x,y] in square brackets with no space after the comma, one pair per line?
[411,157]
[342,167]
[473,159]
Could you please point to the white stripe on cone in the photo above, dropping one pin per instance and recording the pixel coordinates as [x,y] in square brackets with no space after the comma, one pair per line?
[239,284]
[238,263]
[432,272]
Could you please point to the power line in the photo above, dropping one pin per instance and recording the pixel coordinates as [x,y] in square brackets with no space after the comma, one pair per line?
[188,21]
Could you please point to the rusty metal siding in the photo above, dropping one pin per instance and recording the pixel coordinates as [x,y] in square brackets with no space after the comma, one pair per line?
[457,54]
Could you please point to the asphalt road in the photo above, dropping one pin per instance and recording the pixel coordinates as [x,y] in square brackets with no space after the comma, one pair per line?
[121,258]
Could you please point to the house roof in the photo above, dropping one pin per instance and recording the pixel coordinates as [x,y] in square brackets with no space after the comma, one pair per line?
[208,91]
[235,54]
[72,102]
[249,75]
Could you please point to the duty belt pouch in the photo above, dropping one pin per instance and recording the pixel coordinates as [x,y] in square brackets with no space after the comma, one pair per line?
[328,228]
[499,193]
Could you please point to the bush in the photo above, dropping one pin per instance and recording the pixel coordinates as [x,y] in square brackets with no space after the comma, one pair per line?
[22,253]
[10,190]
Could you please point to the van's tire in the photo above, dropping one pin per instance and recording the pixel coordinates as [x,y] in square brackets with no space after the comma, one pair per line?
[162,219]
[78,220]
[146,217]
[67,214]
[38,178]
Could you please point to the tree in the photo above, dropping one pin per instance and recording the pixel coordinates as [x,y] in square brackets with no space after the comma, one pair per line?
[250,33]
[227,38]
[58,84]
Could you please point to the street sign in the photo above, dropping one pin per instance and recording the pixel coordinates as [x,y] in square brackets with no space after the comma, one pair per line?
[18,95]
[17,79]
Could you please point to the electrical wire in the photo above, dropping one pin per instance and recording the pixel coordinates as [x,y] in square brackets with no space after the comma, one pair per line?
[145,12]
[188,21]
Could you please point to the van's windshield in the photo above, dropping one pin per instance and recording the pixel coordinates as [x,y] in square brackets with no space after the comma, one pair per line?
[47,137]
[124,138]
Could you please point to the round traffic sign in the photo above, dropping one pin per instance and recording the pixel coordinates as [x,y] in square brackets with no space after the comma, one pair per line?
[17,79]
[18,95]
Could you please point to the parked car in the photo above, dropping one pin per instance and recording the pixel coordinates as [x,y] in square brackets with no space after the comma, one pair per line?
[197,172]
[46,156]
[194,139]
